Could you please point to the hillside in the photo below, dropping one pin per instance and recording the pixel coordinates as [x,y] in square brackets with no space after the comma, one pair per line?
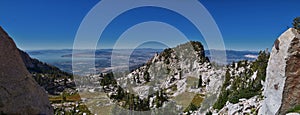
[30,86]
[51,78]
[36,66]
[177,80]
[59,85]
[266,86]
[241,91]
[183,80]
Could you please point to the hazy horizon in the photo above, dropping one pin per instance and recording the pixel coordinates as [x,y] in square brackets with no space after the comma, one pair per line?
[137,48]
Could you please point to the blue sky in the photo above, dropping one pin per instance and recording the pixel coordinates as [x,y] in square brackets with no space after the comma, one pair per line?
[245,25]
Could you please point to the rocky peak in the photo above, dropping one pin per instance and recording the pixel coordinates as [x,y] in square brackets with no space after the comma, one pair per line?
[169,75]
[282,87]
[188,51]
[19,93]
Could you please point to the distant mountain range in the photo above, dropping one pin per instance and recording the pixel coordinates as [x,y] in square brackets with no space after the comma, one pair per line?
[63,58]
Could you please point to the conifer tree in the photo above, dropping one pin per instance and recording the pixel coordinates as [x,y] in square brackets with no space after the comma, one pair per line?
[296,23]
[200,81]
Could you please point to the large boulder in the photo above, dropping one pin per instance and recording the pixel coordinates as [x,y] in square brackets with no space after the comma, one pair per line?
[282,86]
[19,93]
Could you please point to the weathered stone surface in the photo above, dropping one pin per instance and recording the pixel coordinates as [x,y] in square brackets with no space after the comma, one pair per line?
[282,86]
[19,93]
[291,92]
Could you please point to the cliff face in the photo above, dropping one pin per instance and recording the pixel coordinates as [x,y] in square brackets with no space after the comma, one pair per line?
[282,87]
[19,93]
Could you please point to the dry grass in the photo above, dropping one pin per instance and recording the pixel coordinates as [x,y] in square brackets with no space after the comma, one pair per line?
[184,99]
[69,98]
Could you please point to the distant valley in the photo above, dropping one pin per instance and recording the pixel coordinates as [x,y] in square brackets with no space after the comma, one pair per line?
[63,58]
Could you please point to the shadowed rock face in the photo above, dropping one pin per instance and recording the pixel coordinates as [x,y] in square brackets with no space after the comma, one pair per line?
[276,44]
[291,92]
[19,93]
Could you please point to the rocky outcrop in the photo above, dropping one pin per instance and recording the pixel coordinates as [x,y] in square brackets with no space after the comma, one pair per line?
[282,87]
[243,107]
[19,93]
[176,75]
[291,91]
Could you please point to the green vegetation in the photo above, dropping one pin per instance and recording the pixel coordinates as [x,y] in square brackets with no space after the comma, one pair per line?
[200,81]
[223,98]
[80,110]
[55,82]
[130,101]
[195,104]
[197,46]
[260,65]
[174,87]
[296,109]
[161,97]
[35,66]
[208,113]
[296,23]
[65,97]
[184,99]
[167,54]
[108,79]
[51,78]
[240,86]
[184,51]
[147,76]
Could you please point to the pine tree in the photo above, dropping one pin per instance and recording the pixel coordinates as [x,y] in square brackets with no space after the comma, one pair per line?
[200,81]
[64,97]
[65,81]
[172,79]
[296,23]
[146,76]
[233,64]
[227,78]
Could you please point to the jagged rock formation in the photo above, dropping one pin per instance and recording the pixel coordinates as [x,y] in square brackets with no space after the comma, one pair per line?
[177,80]
[19,93]
[282,89]
[180,67]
